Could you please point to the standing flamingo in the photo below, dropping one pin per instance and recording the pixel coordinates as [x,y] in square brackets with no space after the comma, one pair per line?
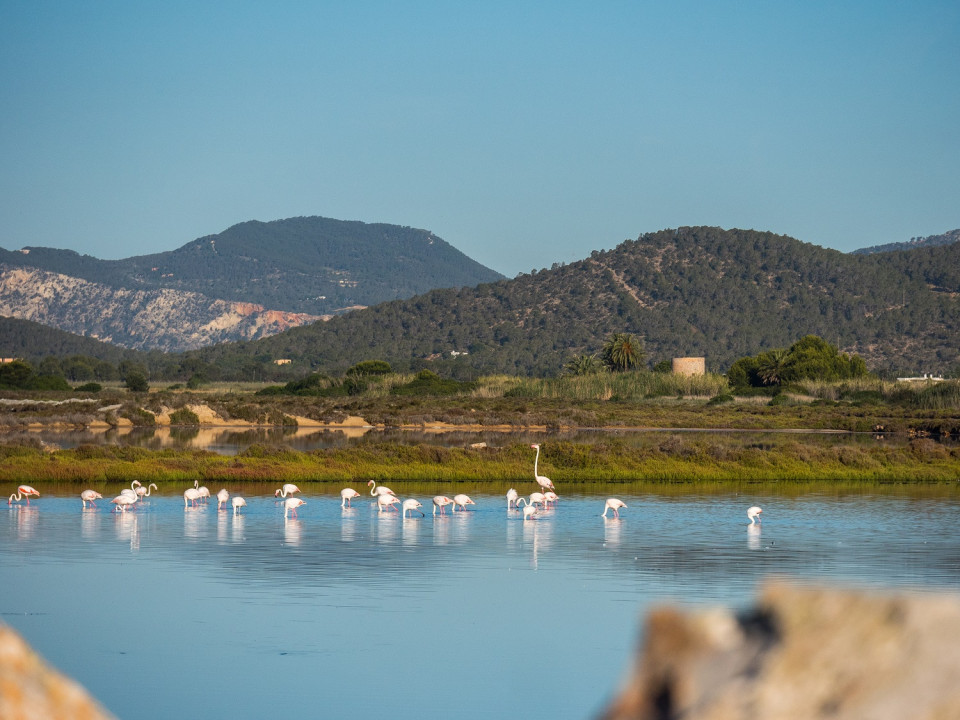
[144,492]
[237,502]
[512,496]
[124,501]
[615,505]
[88,496]
[441,501]
[222,498]
[535,499]
[346,495]
[544,482]
[462,501]
[132,490]
[287,489]
[550,497]
[191,496]
[530,512]
[379,489]
[22,491]
[754,514]
[411,505]
[386,501]
[291,505]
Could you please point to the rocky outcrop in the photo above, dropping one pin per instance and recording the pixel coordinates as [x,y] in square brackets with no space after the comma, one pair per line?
[801,654]
[169,320]
[30,690]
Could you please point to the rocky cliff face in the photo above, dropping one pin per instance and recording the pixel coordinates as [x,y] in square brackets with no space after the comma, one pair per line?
[168,320]
[801,653]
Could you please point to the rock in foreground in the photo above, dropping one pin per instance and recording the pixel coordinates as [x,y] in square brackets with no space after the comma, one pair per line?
[801,654]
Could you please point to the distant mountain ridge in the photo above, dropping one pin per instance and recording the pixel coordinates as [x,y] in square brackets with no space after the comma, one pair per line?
[693,291]
[312,265]
[947,238]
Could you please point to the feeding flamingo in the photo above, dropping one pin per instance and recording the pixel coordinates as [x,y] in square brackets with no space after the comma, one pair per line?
[23,491]
[530,512]
[237,502]
[287,489]
[512,496]
[615,505]
[124,501]
[535,499]
[754,514]
[441,501]
[412,506]
[222,498]
[191,495]
[88,496]
[346,495]
[379,489]
[386,501]
[291,505]
[462,501]
[544,482]
[550,497]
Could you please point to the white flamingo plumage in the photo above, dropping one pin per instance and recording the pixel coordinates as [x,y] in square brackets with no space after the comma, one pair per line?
[287,489]
[124,501]
[291,505]
[754,514]
[412,505]
[88,496]
[512,496]
[346,495]
[386,501]
[222,498]
[441,501]
[144,492]
[237,502]
[543,481]
[462,501]
[530,512]
[191,496]
[550,497]
[613,504]
[132,490]
[535,499]
[377,490]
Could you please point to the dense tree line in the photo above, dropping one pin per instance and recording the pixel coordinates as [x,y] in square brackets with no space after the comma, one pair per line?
[810,358]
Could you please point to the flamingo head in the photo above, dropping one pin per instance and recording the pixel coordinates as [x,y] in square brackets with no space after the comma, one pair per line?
[535,446]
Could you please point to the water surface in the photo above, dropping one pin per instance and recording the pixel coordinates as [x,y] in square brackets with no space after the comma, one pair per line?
[171,612]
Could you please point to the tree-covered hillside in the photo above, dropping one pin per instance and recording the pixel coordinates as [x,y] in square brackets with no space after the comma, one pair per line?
[309,264]
[723,294]
[947,238]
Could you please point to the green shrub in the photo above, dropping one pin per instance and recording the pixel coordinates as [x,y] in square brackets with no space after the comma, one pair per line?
[90,387]
[184,416]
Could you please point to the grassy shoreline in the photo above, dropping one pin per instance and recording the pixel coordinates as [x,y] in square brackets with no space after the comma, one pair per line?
[672,460]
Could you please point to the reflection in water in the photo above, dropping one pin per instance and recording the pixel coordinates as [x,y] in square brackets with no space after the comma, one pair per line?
[537,536]
[411,530]
[236,534]
[26,520]
[753,537]
[386,527]
[612,527]
[90,523]
[348,524]
[192,522]
[441,529]
[126,527]
[221,528]
[292,530]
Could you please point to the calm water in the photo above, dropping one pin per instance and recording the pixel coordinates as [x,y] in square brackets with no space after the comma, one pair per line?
[167,613]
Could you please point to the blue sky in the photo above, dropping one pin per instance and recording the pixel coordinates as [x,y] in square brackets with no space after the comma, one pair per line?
[522,133]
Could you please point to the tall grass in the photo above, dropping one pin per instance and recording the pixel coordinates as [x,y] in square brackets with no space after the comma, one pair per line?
[631,386]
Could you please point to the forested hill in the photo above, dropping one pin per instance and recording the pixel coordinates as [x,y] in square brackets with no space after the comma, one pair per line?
[947,238]
[307,265]
[696,291]
[32,341]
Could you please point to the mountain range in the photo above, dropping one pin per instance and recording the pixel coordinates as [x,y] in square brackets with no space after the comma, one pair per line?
[252,280]
[700,291]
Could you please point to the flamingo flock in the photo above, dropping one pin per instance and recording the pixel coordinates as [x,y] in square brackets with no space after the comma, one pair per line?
[385,499]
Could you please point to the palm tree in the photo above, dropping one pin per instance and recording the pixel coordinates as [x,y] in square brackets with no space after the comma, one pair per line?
[622,352]
[771,366]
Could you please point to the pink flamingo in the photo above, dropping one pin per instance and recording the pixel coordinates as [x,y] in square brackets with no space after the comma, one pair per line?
[754,514]
[144,492]
[412,505]
[462,501]
[615,505]
[191,496]
[441,501]
[512,496]
[530,512]
[346,495]
[237,502]
[550,497]
[287,489]
[222,498]
[544,482]
[291,505]
[535,499]
[386,501]
[123,502]
[88,496]
[379,490]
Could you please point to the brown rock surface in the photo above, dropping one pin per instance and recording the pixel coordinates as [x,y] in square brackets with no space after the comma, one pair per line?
[801,654]
[30,690]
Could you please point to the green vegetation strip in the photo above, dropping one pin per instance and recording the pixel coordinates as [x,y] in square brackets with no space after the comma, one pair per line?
[668,460]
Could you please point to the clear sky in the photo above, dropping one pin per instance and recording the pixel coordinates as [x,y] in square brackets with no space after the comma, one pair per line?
[523,133]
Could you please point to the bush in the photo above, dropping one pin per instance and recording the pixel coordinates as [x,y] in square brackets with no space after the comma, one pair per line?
[370,367]
[136,381]
[184,416]
[720,398]
[90,387]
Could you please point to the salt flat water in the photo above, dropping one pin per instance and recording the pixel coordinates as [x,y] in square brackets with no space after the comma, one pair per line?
[171,612]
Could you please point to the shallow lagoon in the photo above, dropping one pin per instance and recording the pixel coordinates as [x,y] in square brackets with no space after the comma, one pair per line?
[168,612]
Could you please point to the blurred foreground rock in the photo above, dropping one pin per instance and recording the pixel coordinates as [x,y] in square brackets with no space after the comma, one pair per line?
[30,690]
[801,653]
